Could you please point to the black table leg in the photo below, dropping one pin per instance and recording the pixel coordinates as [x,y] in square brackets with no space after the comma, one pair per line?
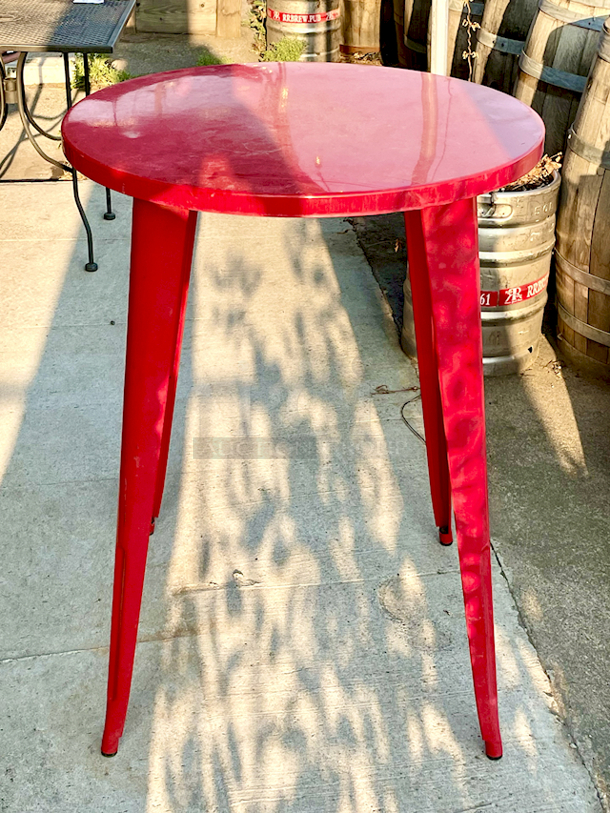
[108,214]
[91,265]
[26,117]
[86,74]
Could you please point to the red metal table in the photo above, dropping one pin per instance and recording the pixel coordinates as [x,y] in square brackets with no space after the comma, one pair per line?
[306,140]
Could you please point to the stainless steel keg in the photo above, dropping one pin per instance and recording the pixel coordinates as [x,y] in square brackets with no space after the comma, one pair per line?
[516,240]
[316,22]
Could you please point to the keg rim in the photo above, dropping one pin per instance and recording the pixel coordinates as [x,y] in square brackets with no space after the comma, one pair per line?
[539,190]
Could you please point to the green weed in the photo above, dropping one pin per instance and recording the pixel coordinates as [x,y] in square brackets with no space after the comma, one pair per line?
[286,50]
[208,58]
[101,72]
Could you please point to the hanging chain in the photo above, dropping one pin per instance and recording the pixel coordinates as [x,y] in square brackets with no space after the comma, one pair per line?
[470,27]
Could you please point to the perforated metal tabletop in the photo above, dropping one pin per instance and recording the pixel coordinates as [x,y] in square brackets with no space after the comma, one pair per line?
[61,25]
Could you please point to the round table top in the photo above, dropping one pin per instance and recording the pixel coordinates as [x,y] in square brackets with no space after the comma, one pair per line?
[299,139]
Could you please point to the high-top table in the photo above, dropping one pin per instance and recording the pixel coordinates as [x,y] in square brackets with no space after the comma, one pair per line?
[64,27]
[307,140]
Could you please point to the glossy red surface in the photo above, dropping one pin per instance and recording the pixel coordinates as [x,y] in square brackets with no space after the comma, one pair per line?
[442,244]
[294,139]
[161,238]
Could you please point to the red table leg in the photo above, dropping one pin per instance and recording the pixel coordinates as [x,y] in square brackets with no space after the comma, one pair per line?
[443,250]
[187,261]
[436,446]
[161,252]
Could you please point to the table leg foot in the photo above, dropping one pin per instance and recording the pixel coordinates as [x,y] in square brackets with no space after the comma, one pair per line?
[109,755]
[91,264]
[493,750]
[445,536]
[110,743]
[109,214]
[445,242]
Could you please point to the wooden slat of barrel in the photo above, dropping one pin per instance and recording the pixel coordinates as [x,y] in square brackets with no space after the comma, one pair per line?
[553,103]
[388,46]
[507,22]
[453,31]
[177,16]
[416,25]
[562,52]
[417,31]
[360,26]
[399,25]
[583,247]
[574,54]
[599,303]
[457,39]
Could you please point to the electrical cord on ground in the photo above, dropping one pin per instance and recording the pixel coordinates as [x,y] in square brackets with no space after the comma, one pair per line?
[402,415]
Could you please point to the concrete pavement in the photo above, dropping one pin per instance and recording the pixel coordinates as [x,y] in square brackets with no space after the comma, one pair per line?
[302,643]
[549,474]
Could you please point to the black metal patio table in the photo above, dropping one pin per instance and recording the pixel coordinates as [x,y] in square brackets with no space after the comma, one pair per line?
[60,26]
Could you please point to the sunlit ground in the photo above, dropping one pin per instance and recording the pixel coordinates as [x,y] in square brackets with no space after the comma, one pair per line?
[302,638]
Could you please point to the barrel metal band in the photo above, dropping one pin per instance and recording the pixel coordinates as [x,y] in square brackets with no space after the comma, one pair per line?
[603,52]
[502,44]
[589,332]
[598,284]
[598,5]
[588,151]
[570,17]
[553,76]
[416,46]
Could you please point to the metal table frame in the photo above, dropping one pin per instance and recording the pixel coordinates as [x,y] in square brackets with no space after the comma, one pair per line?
[12,91]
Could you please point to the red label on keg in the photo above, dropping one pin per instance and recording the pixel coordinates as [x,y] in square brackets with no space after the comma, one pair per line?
[285,17]
[509,296]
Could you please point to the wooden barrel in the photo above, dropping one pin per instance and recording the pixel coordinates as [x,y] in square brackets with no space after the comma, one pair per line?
[500,41]
[583,245]
[457,40]
[388,47]
[360,21]
[417,30]
[316,22]
[555,61]
[399,26]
